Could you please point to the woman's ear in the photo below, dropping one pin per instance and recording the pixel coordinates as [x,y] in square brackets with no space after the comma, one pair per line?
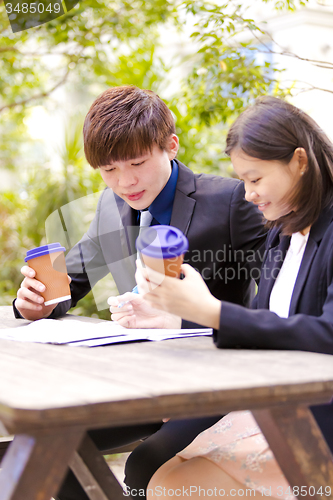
[302,158]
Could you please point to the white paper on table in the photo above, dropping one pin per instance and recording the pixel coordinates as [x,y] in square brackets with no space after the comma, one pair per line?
[80,333]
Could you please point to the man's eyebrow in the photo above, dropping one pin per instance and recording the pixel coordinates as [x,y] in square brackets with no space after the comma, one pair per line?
[141,155]
[138,158]
[249,172]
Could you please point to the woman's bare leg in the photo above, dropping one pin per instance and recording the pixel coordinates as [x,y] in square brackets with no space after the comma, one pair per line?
[197,478]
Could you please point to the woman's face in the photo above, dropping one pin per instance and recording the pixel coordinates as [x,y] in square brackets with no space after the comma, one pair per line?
[269,183]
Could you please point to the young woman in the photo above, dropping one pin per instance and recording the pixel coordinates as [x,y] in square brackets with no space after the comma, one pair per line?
[286,163]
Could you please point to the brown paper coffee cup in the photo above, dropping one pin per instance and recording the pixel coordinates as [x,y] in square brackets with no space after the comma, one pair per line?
[168,267]
[50,266]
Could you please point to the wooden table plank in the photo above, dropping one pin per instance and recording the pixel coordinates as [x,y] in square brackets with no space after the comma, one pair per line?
[171,363]
[44,382]
[8,320]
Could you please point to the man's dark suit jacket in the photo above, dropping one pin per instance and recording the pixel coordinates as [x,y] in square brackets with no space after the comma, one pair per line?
[222,228]
[310,323]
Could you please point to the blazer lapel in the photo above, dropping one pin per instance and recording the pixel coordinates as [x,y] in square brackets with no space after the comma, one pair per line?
[316,234]
[310,252]
[183,205]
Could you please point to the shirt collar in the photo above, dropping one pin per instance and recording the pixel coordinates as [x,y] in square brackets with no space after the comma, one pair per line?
[298,241]
[161,208]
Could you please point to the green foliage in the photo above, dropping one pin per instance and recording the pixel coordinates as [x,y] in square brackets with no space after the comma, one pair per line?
[77,48]
[48,190]
[226,76]
[83,38]
[42,193]
[12,138]
[12,244]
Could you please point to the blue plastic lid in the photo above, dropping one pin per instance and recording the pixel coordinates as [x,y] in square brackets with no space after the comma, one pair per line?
[44,250]
[163,242]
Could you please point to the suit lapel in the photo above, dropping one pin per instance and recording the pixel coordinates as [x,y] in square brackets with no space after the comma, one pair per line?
[276,253]
[182,211]
[310,251]
[183,205]
[316,234]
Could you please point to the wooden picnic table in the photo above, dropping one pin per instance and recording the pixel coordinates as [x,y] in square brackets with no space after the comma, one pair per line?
[51,395]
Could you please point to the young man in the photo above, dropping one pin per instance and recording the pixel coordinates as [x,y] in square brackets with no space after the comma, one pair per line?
[129,134]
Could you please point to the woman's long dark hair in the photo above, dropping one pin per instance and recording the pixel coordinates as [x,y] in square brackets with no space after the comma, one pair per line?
[272,129]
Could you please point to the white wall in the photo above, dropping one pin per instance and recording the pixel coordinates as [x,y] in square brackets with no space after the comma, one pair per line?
[308,33]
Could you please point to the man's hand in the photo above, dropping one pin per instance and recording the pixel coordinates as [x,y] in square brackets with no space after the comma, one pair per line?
[29,302]
[131,311]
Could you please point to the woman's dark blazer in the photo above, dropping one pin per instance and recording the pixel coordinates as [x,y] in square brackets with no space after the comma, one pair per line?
[309,326]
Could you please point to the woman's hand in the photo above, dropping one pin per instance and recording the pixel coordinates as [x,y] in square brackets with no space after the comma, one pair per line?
[132,311]
[188,298]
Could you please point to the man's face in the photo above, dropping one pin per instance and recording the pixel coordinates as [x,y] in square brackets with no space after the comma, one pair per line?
[140,180]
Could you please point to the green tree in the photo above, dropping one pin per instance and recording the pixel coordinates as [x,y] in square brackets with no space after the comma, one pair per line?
[83,48]
[100,44]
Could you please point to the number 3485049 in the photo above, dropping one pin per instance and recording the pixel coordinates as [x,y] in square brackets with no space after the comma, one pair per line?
[32,8]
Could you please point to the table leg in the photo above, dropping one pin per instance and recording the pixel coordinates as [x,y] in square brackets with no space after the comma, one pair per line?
[300,449]
[93,473]
[35,464]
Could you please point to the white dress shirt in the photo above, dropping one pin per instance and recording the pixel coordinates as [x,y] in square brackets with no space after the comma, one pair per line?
[283,288]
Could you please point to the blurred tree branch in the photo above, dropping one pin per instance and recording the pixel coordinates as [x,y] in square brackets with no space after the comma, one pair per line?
[283,52]
[37,96]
